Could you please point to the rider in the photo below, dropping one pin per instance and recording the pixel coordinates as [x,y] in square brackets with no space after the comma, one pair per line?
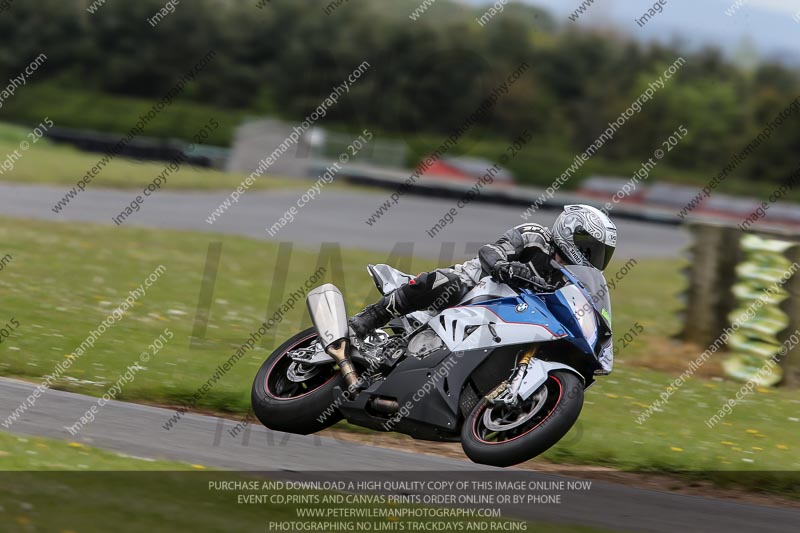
[581,235]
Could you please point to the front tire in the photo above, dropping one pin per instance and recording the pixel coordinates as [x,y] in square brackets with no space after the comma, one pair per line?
[295,407]
[527,435]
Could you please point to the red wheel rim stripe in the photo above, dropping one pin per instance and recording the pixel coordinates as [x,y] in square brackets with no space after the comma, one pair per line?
[269,373]
[545,419]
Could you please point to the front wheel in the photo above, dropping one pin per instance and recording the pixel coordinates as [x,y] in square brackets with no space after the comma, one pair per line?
[292,397]
[500,435]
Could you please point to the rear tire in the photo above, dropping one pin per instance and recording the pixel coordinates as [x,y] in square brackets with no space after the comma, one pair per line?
[558,413]
[283,405]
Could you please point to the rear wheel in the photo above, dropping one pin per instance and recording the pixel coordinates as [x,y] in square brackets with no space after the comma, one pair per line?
[500,435]
[292,397]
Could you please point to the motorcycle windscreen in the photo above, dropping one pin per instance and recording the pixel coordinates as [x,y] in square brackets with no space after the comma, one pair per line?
[594,284]
[582,312]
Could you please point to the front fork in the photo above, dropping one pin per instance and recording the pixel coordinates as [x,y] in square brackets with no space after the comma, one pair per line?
[507,392]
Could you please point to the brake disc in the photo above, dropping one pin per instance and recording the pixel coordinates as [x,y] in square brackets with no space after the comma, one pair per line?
[503,424]
[299,373]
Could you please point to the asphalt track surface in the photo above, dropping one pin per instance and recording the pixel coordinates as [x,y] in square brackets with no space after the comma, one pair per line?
[336,215]
[138,430]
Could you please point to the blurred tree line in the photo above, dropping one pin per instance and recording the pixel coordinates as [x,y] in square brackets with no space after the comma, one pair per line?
[426,77]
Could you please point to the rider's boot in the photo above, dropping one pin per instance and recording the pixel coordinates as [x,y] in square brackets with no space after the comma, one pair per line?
[376,315]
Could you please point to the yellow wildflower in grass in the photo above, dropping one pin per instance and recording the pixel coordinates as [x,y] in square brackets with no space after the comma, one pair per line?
[752,431]
[198,467]
[782,447]
[676,449]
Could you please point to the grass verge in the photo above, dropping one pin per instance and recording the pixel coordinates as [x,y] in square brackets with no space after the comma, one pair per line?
[22,453]
[49,163]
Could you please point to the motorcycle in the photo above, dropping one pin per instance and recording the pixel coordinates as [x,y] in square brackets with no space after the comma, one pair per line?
[503,372]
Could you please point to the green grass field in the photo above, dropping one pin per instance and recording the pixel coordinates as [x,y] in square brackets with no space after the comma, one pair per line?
[21,453]
[49,163]
[64,280]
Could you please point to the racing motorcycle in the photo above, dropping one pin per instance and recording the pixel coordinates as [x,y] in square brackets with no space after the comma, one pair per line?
[503,372]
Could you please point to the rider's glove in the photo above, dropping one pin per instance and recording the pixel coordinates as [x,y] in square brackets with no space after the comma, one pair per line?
[541,285]
[511,272]
[519,274]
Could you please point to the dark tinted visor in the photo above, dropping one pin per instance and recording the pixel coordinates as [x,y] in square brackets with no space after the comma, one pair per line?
[597,253]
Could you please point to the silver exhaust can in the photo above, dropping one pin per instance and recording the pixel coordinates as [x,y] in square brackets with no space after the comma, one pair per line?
[326,307]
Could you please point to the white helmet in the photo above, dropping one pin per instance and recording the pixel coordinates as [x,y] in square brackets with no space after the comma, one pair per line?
[585,236]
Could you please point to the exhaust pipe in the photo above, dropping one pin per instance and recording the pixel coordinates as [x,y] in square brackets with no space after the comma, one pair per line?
[338,351]
[384,406]
[326,307]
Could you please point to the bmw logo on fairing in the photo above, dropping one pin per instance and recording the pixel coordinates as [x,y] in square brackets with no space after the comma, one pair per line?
[522,307]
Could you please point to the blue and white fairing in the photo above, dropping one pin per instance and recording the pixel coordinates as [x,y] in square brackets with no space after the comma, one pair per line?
[493,315]
[499,320]
[579,313]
